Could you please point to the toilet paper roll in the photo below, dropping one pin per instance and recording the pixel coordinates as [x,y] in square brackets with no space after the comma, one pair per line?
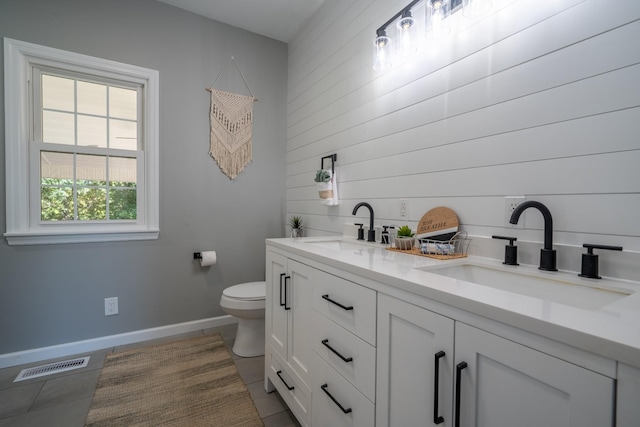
[208,258]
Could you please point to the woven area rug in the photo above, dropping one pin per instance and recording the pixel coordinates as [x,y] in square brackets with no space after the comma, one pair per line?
[191,382]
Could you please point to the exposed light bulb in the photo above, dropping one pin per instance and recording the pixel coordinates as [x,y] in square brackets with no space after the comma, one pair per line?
[381,53]
[437,13]
[407,39]
[406,23]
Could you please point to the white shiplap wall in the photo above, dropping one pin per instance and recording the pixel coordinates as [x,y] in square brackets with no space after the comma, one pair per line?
[540,99]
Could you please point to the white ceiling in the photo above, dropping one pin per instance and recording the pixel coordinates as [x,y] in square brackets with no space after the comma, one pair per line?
[278,19]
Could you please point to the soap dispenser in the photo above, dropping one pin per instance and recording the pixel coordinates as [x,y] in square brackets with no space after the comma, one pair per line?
[385,235]
[392,236]
[590,260]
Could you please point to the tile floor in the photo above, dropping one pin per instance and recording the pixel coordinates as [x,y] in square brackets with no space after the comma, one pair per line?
[62,400]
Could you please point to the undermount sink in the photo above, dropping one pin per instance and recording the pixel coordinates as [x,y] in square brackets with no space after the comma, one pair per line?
[339,245]
[561,290]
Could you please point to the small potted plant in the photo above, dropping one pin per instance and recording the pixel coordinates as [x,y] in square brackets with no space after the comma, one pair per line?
[323,183]
[295,222]
[405,240]
[322,176]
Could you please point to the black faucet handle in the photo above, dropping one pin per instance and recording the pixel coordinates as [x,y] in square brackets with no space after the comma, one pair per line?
[590,247]
[510,239]
[360,231]
[590,260]
[510,250]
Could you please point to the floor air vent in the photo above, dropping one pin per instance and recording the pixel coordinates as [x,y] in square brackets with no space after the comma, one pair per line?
[52,368]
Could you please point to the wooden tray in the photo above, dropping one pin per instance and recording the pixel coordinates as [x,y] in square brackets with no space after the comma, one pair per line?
[439,223]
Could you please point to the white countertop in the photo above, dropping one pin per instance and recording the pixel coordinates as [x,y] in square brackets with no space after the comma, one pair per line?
[612,330]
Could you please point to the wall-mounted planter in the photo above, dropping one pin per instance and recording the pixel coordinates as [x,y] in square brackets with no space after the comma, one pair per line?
[325,190]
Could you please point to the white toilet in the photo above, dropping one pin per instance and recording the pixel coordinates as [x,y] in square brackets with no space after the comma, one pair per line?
[246,301]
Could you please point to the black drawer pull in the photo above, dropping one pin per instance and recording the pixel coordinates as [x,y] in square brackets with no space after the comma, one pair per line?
[342,408]
[282,303]
[337,303]
[437,419]
[285,383]
[459,368]
[286,307]
[346,359]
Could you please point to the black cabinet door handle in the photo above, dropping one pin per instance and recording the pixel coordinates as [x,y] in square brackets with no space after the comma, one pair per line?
[437,419]
[342,408]
[459,367]
[345,359]
[282,303]
[286,307]
[337,303]
[282,379]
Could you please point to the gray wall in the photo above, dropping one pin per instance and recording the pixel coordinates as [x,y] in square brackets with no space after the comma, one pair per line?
[539,98]
[55,294]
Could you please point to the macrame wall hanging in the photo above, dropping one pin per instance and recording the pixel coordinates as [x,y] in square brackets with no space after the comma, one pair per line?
[231,123]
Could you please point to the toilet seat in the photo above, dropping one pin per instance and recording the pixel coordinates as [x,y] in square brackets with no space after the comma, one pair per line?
[252,291]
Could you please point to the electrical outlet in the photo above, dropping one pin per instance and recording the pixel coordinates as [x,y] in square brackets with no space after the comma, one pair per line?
[510,205]
[404,208]
[110,306]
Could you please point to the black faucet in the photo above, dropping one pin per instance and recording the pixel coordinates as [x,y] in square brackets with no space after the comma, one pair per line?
[547,253]
[371,234]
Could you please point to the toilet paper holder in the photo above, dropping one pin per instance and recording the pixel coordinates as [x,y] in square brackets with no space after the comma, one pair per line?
[205,258]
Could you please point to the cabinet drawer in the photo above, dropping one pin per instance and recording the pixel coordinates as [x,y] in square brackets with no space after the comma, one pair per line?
[291,388]
[348,304]
[360,366]
[349,409]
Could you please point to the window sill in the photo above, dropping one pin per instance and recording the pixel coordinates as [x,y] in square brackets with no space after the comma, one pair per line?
[60,236]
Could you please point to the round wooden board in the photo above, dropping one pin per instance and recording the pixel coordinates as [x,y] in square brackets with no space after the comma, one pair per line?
[440,221]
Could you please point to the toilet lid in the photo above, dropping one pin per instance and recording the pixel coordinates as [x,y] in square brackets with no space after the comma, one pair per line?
[247,291]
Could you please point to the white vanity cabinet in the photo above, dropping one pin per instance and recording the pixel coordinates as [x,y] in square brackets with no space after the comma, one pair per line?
[288,331]
[628,404]
[424,357]
[345,348]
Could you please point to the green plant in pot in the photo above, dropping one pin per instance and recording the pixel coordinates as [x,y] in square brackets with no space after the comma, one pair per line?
[405,239]
[322,176]
[295,222]
[323,184]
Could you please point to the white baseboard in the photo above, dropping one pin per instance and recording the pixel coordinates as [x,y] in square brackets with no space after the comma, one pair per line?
[77,347]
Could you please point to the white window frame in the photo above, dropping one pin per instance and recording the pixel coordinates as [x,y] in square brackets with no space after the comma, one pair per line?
[23,228]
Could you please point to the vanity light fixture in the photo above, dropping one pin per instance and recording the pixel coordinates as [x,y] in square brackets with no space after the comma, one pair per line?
[381,51]
[436,25]
[437,12]
[407,35]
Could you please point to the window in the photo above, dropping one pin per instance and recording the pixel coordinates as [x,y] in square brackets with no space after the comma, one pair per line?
[86,134]
[81,147]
